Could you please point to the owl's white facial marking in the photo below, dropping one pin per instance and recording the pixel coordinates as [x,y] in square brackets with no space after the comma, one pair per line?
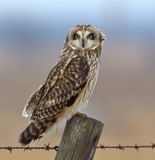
[84,38]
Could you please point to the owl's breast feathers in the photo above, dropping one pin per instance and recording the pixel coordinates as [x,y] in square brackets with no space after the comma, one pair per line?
[64,84]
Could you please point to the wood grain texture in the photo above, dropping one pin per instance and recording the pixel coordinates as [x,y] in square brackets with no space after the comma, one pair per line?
[80,139]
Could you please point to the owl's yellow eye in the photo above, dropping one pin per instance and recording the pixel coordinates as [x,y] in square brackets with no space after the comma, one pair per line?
[90,37]
[76,36]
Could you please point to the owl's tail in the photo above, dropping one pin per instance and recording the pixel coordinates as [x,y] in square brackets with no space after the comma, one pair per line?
[35,130]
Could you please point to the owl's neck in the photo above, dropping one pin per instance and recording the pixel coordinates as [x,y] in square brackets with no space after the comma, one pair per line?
[67,50]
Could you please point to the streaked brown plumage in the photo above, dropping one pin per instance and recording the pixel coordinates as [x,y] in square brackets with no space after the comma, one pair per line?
[69,84]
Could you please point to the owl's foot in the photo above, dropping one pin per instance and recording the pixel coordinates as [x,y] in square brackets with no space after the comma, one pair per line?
[81,114]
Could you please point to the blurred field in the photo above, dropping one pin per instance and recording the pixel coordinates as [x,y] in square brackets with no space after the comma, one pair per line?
[124,97]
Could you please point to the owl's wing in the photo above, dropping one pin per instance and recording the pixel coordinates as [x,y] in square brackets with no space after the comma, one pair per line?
[36,97]
[68,85]
[33,101]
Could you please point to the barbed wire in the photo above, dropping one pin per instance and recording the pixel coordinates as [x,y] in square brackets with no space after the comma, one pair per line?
[45,147]
[101,146]
[123,147]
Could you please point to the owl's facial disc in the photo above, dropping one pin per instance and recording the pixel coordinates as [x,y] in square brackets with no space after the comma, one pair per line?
[84,39]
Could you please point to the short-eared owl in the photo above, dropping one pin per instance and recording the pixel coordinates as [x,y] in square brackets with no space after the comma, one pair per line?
[69,83]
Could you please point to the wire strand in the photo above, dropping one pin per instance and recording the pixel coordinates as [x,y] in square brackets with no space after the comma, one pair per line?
[47,147]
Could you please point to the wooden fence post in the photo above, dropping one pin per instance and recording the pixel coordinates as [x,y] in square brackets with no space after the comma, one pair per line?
[80,139]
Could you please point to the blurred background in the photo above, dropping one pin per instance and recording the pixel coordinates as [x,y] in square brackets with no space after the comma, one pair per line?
[32,34]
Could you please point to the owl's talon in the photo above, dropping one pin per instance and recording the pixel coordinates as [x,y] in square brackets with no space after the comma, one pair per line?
[81,114]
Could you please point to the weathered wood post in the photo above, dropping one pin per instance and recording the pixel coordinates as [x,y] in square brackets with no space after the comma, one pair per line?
[80,139]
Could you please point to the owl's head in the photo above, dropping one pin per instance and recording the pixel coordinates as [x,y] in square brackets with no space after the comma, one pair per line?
[84,37]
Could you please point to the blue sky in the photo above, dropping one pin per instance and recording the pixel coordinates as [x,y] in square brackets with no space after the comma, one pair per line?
[80,10]
[116,17]
[55,10]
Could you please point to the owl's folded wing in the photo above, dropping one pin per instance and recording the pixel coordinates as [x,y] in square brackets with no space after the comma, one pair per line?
[36,97]
[66,89]
[33,101]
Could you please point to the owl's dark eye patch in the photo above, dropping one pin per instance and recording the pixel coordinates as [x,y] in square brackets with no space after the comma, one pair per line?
[76,36]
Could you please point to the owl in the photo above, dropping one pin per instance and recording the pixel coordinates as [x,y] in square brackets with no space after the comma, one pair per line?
[69,84]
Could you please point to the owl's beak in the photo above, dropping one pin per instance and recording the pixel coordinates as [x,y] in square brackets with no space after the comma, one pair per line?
[83,43]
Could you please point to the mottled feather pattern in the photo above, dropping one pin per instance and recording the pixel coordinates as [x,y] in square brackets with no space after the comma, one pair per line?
[35,130]
[69,84]
[33,101]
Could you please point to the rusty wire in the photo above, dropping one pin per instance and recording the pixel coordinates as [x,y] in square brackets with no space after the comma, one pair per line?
[45,147]
[123,147]
[101,146]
